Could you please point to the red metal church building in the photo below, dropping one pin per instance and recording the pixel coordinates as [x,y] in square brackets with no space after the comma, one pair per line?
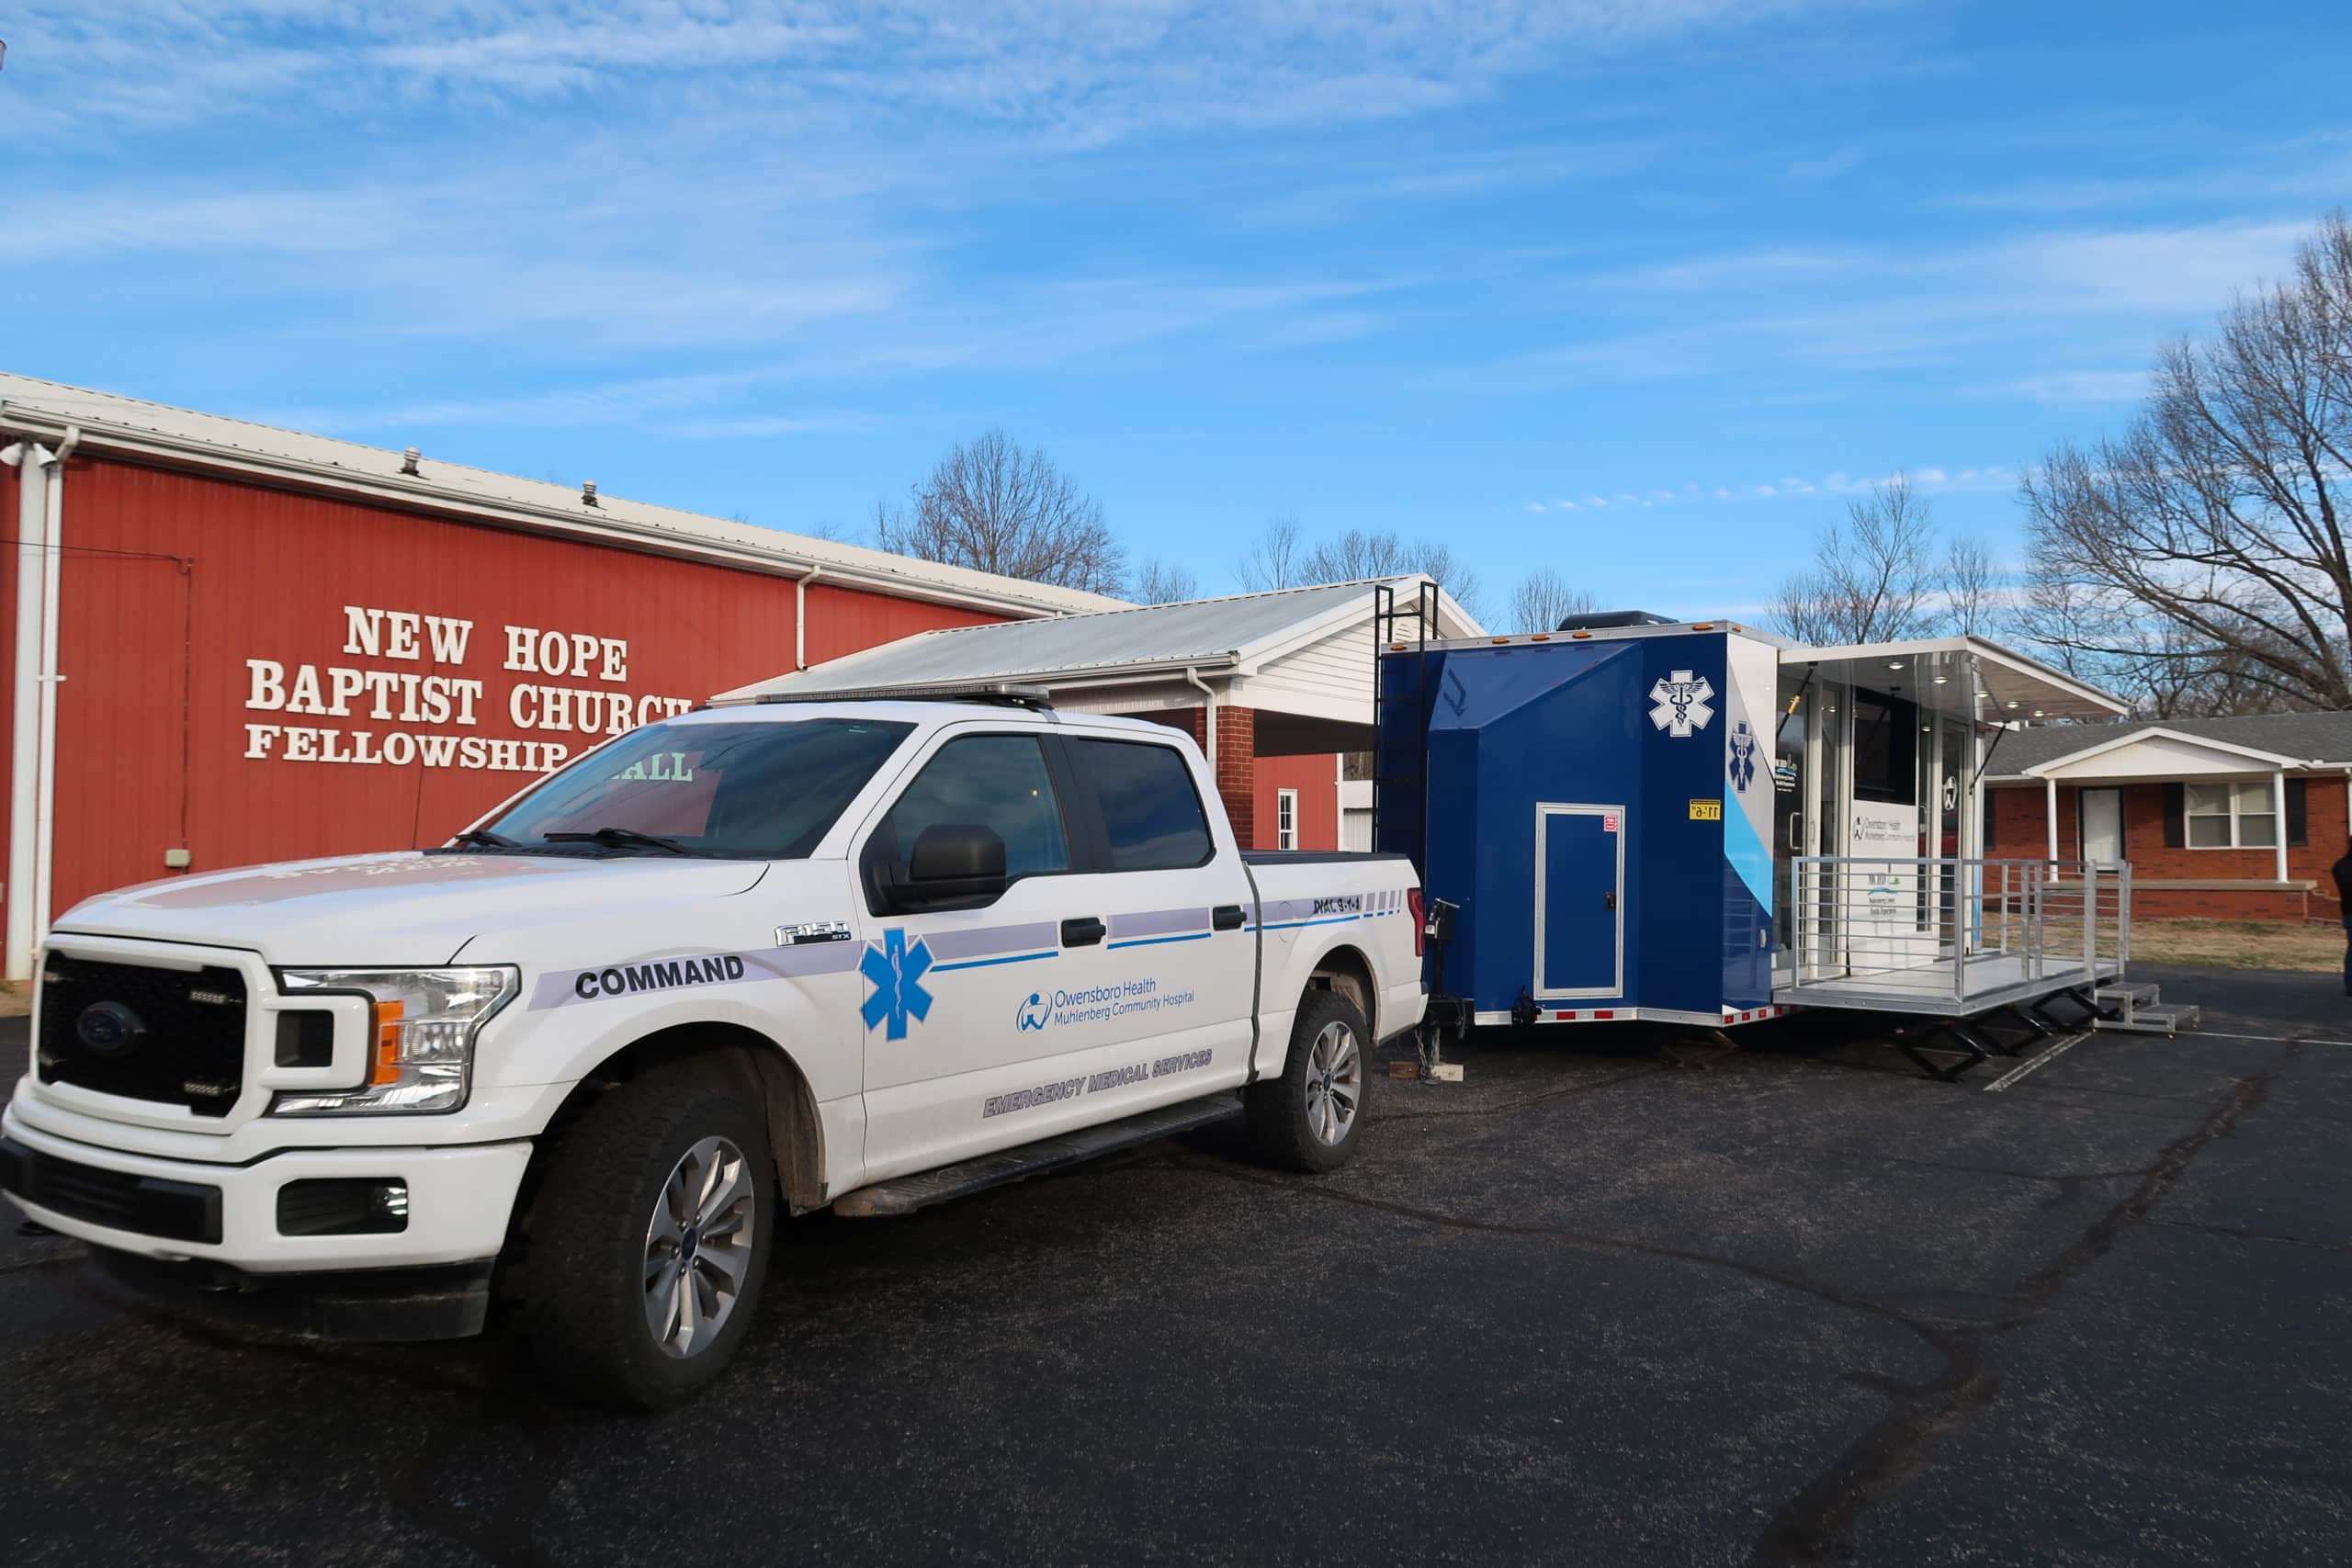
[223,643]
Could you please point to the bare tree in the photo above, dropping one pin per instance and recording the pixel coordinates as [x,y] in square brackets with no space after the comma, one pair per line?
[1873,577]
[1277,558]
[1543,599]
[1357,556]
[995,505]
[1163,582]
[1972,587]
[2206,545]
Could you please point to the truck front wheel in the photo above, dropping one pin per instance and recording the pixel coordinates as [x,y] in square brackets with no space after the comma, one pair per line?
[650,1239]
[1308,1118]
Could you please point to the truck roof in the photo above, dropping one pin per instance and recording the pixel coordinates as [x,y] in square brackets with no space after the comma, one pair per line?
[918,709]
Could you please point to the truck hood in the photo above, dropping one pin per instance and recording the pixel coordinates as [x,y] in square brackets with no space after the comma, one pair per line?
[402,909]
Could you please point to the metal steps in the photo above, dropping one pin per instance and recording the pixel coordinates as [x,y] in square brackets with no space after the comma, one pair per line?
[2134,1006]
[905,1194]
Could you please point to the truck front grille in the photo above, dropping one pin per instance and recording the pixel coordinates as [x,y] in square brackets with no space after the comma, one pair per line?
[173,1036]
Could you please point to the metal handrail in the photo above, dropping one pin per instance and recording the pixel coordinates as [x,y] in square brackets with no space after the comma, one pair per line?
[1952,928]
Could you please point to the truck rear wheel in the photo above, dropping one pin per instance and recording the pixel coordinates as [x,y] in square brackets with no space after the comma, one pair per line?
[650,1239]
[1308,1118]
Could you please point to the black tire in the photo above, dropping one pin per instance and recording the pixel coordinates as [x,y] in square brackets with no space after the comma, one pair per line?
[586,1294]
[1290,1124]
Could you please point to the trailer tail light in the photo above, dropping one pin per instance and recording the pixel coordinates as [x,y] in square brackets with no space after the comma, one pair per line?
[1421,930]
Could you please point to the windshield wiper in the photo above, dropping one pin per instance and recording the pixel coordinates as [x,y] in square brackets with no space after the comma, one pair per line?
[486,838]
[615,837]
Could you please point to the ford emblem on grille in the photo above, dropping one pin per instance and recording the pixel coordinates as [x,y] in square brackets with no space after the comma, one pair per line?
[109,1029]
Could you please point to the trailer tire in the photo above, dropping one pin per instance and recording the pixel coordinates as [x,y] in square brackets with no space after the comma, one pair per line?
[1310,1117]
[652,1171]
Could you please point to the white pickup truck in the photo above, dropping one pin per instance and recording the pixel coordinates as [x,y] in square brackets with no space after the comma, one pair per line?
[745,962]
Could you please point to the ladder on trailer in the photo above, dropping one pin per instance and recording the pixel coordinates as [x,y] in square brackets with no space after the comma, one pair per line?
[1401,709]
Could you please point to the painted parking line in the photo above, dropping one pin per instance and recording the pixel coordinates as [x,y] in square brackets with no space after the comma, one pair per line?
[2273,1039]
[2037,1064]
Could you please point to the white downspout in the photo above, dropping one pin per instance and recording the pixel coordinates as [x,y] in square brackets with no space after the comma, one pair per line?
[800,616]
[45,774]
[2050,812]
[31,461]
[2279,817]
[1208,718]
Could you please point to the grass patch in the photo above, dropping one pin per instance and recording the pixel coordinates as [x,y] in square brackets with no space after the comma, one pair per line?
[2238,945]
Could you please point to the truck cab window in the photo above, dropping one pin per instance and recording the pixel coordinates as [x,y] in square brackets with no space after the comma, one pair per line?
[997,781]
[1151,814]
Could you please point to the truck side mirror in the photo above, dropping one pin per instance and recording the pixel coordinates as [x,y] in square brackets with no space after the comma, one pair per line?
[957,851]
[951,862]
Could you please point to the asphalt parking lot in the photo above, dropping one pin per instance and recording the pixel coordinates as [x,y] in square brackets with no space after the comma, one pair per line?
[1585,1307]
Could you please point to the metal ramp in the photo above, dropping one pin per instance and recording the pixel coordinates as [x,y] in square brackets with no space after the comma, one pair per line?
[2135,1006]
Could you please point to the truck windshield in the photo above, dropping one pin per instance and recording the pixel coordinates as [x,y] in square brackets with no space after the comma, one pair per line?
[760,790]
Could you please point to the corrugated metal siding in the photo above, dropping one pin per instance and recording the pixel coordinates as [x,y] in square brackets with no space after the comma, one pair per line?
[151,716]
[1317,780]
[843,620]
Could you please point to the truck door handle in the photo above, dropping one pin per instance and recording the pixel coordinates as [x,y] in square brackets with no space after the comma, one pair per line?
[1084,932]
[1226,918]
[1609,900]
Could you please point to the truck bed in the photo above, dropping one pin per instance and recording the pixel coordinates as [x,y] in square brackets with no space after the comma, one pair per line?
[1315,857]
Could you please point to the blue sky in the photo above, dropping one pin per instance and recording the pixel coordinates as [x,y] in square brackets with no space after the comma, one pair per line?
[1629,287]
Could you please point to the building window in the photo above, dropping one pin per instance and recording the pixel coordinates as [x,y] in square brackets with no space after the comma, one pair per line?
[1286,820]
[2232,817]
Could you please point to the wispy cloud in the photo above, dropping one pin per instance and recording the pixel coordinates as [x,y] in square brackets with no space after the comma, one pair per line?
[1933,480]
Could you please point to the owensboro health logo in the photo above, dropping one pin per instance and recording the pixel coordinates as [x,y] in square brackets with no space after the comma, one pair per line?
[1034,1012]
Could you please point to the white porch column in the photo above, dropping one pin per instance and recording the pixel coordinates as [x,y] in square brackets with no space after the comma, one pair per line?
[2050,816]
[2279,817]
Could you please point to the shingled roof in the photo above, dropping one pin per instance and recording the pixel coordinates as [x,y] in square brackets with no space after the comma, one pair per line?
[2323,738]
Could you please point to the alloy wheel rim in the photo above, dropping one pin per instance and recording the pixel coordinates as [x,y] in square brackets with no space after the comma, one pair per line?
[1334,1083]
[698,1247]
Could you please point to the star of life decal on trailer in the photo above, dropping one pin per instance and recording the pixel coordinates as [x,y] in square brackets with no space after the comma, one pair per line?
[1680,704]
[897,971]
[1743,756]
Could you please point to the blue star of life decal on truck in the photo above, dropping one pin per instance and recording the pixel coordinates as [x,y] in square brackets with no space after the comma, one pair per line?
[897,971]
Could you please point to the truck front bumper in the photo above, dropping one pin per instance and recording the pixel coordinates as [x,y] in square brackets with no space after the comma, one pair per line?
[280,1221]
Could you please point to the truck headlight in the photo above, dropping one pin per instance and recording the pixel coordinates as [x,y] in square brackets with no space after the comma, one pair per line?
[421,1028]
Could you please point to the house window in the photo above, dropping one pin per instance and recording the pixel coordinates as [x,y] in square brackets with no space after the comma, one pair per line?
[2232,816]
[1286,820]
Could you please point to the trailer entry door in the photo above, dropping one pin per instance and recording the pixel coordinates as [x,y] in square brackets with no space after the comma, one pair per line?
[1579,901]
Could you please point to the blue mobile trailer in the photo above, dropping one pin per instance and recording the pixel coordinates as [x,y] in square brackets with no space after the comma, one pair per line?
[1598,806]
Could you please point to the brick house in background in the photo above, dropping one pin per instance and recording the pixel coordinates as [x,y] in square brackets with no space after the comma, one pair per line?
[2229,818]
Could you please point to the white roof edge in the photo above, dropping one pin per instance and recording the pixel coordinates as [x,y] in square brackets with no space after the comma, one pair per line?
[182,435]
[2276,760]
[1275,643]
[1969,642]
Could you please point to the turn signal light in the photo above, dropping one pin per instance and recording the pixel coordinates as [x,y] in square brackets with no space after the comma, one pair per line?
[1420,931]
[386,1061]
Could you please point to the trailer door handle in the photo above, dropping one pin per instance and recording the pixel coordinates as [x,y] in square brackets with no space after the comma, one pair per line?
[1609,900]
[1226,918]
[1084,932]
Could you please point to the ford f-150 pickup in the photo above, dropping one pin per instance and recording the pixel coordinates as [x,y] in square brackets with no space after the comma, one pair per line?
[736,966]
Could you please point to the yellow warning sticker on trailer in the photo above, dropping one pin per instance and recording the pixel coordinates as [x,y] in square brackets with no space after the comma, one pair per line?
[1706,811]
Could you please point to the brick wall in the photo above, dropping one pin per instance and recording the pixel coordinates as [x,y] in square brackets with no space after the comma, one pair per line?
[2019,831]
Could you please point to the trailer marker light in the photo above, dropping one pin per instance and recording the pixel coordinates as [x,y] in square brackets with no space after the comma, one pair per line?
[1580,635]
[1499,640]
[1539,637]
[1702,626]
